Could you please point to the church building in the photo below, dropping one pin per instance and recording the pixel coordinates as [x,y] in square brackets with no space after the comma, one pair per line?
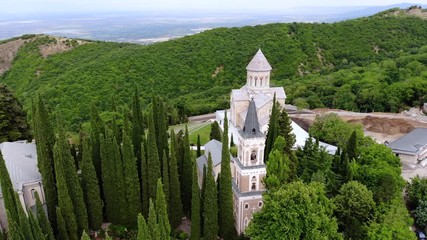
[249,114]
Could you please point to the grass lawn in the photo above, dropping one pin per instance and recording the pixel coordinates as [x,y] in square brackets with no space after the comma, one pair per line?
[194,129]
[204,135]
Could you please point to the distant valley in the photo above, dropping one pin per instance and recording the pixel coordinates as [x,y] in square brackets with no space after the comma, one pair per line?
[151,27]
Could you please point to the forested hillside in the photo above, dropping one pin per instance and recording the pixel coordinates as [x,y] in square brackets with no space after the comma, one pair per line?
[314,62]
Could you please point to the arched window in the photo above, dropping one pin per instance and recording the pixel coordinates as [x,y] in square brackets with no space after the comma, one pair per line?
[260,204]
[246,206]
[253,156]
[253,188]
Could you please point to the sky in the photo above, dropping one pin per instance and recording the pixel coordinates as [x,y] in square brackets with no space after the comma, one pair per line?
[76,6]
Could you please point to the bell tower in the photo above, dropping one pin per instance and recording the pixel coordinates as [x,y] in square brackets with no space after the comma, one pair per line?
[249,170]
[258,72]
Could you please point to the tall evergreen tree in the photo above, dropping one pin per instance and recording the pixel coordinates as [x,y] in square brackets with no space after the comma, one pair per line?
[35,227]
[352,147]
[160,128]
[215,131]
[131,180]
[62,226]
[144,181]
[120,184]
[225,207]
[199,152]
[153,162]
[65,202]
[195,207]
[272,129]
[137,125]
[90,186]
[210,205]
[165,180]
[284,125]
[162,212]
[8,193]
[12,117]
[202,199]
[97,127]
[72,181]
[42,219]
[108,175]
[186,174]
[14,232]
[143,233]
[45,138]
[152,222]
[175,204]
[24,224]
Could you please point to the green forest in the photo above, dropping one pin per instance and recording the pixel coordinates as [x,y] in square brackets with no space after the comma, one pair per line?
[376,63]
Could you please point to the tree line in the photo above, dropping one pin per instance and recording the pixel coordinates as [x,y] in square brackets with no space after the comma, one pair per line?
[354,194]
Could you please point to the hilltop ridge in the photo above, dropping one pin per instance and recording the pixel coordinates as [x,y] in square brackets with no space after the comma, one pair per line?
[195,73]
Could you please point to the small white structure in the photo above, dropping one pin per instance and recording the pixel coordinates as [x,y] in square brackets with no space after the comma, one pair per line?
[21,162]
[412,147]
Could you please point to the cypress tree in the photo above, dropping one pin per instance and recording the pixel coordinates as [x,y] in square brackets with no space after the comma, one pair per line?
[64,199]
[137,126]
[143,233]
[62,227]
[90,187]
[162,212]
[42,219]
[97,128]
[352,147]
[131,180]
[108,175]
[45,138]
[144,181]
[199,152]
[202,199]
[153,163]
[210,207]
[179,151]
[215,131]
[225,207]
[152,222]
[165,180]
[187,174]
[8,193]
[272,130]
[85,236]
[284,124]
[175,206]
[72,181]
[24,225]
[14,232]
[121,209]
[162,133]
[35,227]
[195,207]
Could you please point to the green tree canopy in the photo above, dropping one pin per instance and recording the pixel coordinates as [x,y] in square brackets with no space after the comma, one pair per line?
[296,211]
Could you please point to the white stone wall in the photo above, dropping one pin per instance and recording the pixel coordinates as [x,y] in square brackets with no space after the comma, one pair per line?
[258,79]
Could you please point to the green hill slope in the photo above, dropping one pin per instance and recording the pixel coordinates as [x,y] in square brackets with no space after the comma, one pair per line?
[195,73]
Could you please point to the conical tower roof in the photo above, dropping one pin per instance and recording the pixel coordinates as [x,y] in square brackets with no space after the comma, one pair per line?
[251,127]
[259,63]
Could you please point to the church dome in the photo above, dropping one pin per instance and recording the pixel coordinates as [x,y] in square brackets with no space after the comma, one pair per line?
[259,63]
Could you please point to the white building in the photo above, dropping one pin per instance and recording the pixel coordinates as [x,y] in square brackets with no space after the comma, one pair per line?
[412,147]
[21,162]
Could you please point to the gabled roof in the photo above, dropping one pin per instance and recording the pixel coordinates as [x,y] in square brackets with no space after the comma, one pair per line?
[410,143]
[214,147]
[21,162]
[251,127]
[259,63]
